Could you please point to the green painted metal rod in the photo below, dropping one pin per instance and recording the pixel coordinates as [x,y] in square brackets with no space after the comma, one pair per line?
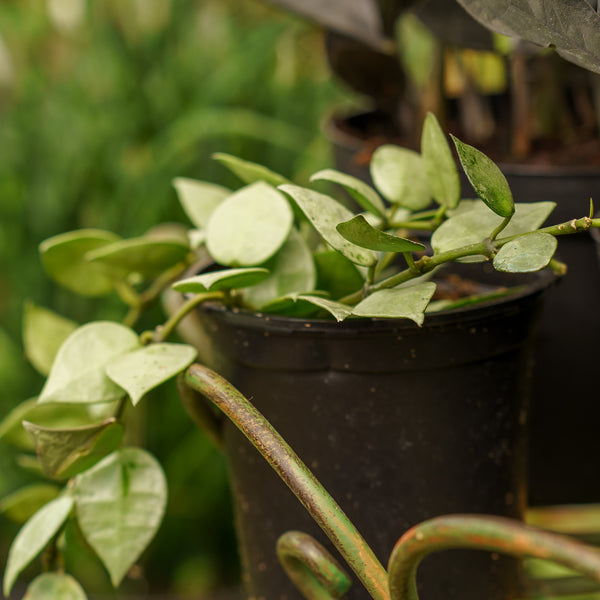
[495,534]
[309,491]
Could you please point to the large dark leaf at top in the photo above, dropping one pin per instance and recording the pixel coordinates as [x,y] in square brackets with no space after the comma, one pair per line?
[571,26]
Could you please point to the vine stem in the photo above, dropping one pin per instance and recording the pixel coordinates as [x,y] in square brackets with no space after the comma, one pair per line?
[309,491]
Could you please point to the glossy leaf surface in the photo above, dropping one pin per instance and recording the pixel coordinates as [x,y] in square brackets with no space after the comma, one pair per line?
[399,303]
[142,370]
[65,452]
[199,198]
[249,227]
[526,254]
[486,178]
[44,331]
[78,374]
[363,193]
[34,536]
[359,232]
[21,505]
[399,174]
[325,214]
[249,172]
[54,586]
[439,164]
[63,257]
[231,279]
[120,503]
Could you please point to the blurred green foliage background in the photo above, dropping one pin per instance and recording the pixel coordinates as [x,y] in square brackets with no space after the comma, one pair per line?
[102,104]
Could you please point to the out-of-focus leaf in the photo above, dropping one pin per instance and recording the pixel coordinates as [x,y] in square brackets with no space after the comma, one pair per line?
[250,172]
[34,536]
[336,274]
[142,370]
[120,503]
[63,257]
[21,505]
[199,198]
[230,279]
[54,586]
[359,232]
[44,331]
[248,227]
[78,374]
[526,254]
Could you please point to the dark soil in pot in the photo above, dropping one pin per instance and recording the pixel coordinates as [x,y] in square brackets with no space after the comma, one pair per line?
[564,448]
[399,423]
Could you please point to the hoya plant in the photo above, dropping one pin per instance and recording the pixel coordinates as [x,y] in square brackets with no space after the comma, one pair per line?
[273,247]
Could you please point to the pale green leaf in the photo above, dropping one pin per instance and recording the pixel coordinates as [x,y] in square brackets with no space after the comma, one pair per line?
[401,302]
[526,254]
[63,257]
[230,279]
[336,274]
[65,452]
[43,333]
[144,256]
[399,175]
[486,178]
[439,164]
[337,309]
[363,193]
[325,214]
[292,305]
[199,198]
[477,222]
[34,536]
[54,586]
[120,504]
[292,270]
[78,374]
[21,505]
[249,172]
[248,227]
[359,232]
[142,370]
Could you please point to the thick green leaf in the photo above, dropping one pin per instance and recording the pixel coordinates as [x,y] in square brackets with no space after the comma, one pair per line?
[291,305]
[34,536]
[142,370]
[292,270]
[336,274]
[249,172]
[78,374]
[145,256]
[21,505]
[228,279]
[63,257]
[337,309]
[43,333]
[359,232]
[478,222]
[248,227]
[525,254]
[363,193]
[65,452]
[486,178]
[572,27]
[439,164]
[199,198]
[398,303]
[399,174]
[325,214]
[54,586]
[120,503]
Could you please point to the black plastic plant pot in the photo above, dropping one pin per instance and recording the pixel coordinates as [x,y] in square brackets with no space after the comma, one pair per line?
[400,424]
[564,413]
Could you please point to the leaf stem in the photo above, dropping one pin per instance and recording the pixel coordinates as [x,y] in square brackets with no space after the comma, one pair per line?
[500,227]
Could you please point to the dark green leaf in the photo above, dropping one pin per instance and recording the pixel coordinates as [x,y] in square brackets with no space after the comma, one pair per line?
[439,164]
[65,452]
[486,178]
[250,172]
[359,232]
[43,333]
[34,536]
[120,504]
[249,227]
[63,257]
[230,279]
[363,193]
[337,309]
[54,586]
[325,214]
[78,374]
[21,505]
[199,198]
[142,370]
[336,274]
[526,254]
